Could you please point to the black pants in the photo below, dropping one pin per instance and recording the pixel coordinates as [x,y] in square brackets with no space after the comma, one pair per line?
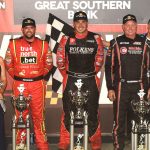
[91,105]
[2,137]
[125,94]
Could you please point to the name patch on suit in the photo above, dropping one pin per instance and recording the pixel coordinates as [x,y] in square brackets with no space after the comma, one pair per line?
[29,60]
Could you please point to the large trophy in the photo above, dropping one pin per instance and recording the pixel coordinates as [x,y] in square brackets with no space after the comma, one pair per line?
[79,116]
[140,128]
[21,103]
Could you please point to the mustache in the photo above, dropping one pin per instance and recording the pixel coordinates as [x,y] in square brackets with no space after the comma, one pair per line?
[30,37]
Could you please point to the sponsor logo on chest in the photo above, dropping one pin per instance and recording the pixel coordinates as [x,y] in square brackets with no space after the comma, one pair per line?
[81,50]
[123,50]
[28,55]
[131,50]
[135,50]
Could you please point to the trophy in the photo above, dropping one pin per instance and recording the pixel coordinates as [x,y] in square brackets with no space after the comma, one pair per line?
[21,103]
[78,143]
[140,129]
[79,116]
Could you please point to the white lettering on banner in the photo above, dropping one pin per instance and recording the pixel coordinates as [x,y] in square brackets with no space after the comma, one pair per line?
[90,7]
[101,5]
[2,5]
[70,14]
[90,14]
[82,5]
[51,5]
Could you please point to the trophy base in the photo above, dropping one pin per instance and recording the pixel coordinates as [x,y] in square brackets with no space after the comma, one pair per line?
[21,146]
[78,148]
[141,147]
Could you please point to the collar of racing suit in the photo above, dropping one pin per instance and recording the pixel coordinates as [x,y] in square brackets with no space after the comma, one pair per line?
[81,35]
[29,42]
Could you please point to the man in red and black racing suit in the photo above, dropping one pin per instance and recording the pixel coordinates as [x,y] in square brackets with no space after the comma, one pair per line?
[126,67]
[28,59]
[80,56]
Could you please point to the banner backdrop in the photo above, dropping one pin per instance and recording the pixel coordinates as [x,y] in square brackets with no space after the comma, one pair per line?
[105,17]
[99,11]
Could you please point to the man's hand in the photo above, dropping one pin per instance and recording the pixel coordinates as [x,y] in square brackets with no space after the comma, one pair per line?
[148,95]
[111,95]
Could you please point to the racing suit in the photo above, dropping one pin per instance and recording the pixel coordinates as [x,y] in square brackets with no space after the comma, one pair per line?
[27,63]
[80,58]
[126,67]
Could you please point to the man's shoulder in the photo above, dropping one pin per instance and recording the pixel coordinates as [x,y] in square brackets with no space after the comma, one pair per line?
[40,41]
[114,41]
[93,34]
[141,36]
[16,39]
[118,39]
[142,39]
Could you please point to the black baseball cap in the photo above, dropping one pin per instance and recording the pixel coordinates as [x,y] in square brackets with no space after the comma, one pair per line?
[128,18]
[80,15]
[28,22]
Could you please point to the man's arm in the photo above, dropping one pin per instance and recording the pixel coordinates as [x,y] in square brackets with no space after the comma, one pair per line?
[48,62]
[61,56]
[9,60]
[109,69]
[147,42]
[99,59]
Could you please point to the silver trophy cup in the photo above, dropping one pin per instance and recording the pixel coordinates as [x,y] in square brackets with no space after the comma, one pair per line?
[140,135]
[21,103]
[80,116]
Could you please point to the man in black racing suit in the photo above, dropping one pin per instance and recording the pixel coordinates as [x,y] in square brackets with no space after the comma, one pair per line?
[80,56]
[126,66]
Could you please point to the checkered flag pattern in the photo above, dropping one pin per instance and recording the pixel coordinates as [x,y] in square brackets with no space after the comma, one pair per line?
[52,98]
[55,29]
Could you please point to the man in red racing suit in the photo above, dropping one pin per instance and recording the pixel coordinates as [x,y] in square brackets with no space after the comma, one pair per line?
[27,60]
[80,56]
